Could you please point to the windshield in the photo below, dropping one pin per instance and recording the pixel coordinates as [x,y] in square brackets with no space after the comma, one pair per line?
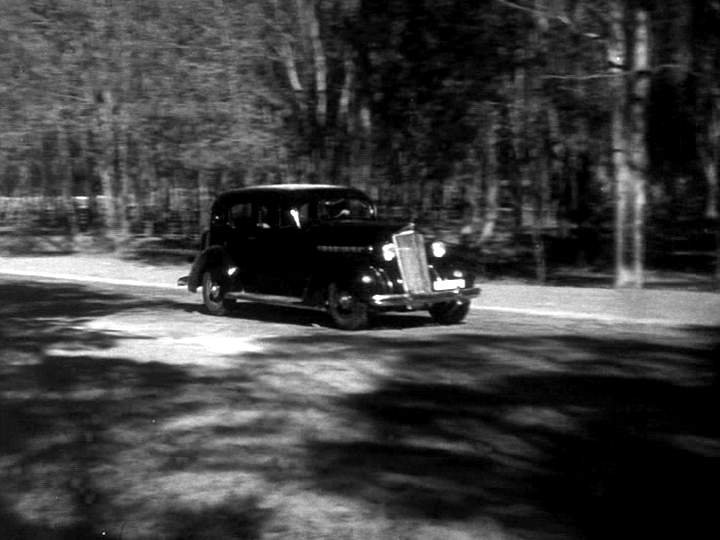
[345,208]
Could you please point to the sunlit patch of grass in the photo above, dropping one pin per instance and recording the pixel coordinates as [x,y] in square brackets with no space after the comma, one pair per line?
[48,504]
[233,517]
[226,417]
[546,417]
[703,446]
[309,515]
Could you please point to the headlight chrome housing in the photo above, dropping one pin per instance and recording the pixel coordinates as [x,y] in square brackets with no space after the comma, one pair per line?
[389,252]
[438,249]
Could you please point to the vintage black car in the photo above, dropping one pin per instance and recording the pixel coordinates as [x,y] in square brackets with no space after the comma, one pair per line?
[323,247]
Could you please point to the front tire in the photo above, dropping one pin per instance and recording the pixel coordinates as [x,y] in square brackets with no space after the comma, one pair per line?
[449,312]
[214,293]
[346,310]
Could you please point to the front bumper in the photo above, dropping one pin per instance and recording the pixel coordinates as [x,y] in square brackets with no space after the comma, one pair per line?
[415,301]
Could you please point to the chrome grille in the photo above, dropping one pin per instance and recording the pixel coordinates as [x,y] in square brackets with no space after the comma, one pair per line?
[412,260]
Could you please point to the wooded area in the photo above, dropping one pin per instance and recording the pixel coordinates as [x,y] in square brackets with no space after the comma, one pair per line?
[584,132]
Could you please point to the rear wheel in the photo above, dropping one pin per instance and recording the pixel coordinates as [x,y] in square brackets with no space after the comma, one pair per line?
[345,309]
[450,312]
[214,293]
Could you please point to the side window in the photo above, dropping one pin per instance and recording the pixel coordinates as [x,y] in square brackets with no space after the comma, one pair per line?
[240,215]
[295,217]
[345,208]
[251,214]
[266,216]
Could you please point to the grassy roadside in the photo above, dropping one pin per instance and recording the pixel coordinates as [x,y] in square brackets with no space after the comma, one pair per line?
[179,250]
[147,249]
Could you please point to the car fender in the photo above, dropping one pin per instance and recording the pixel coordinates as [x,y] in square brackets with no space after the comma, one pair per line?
[362,280]
[213,256]
[450,267]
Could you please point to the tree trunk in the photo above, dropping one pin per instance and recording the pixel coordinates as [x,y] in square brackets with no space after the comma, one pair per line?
[149,213]
[106,159]
[622,173]
[628,133]
[711,208]
[342,156]
[287,51]
[492,190]
[66,172]
[617,58]
[710,158]
[706,67]
[308,14]
[322,154]
[146,190]
[346,92]
[123,174]
[472,195]
[203,200]
[541,185]
[224,180]
[711,211]
[711,177]
[539,132]
[640,91]
[538,224]
[519,140]
[365,155]
[492,184]
[717,255]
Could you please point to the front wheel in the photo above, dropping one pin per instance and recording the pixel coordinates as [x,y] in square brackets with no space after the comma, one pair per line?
[213,293]
[450,312]
[346,310]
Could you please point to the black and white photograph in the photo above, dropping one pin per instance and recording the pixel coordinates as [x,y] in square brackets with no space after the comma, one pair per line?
[359,269]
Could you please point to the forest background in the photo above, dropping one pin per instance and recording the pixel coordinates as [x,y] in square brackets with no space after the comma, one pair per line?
[537,134]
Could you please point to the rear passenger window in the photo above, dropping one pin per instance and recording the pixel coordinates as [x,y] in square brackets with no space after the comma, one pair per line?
[241,215]
[295,217]
[266,216]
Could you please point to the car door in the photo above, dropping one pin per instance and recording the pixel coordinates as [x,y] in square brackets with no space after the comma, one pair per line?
[268,244]
[280,245]
[262,240]
[294,253]
[244,243]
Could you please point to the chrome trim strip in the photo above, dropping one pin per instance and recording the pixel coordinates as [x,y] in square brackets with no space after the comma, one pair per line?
[423,299]
[270,299]
[345,249]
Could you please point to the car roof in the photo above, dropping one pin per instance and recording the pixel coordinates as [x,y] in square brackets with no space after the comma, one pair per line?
[290,187]
[287,192]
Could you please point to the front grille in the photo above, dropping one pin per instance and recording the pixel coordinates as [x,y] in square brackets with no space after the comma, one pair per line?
[412,260]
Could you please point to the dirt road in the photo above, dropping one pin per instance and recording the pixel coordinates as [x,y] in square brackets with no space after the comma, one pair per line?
[128,413]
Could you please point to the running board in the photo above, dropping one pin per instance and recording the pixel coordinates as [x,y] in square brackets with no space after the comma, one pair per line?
[271,299]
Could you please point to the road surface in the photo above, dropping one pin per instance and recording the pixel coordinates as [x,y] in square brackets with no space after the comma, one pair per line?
[127,412]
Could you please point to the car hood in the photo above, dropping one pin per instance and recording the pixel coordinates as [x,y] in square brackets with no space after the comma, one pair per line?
[355,232]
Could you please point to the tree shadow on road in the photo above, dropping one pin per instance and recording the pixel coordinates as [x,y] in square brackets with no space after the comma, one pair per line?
[78,426]
[312,317]
[549,433]
[554,434]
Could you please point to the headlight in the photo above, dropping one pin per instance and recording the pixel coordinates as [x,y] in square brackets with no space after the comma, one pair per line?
[438,249]
[389,252]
